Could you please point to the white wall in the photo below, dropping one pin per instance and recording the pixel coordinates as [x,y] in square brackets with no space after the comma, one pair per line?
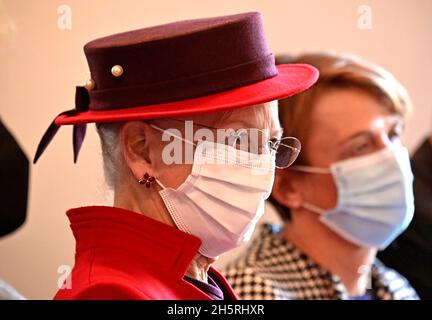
[40,65]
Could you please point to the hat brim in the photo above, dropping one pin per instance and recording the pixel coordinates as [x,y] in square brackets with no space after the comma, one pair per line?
[291,79]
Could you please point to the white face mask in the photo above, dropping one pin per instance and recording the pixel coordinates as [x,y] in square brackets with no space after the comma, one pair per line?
[223,198]
[375,197]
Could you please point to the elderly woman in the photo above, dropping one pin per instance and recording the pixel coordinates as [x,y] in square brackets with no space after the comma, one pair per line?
[348,195]
[190,140]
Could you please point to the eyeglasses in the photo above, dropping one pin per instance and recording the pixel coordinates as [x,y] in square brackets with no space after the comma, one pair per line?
[251,140]
[287,150]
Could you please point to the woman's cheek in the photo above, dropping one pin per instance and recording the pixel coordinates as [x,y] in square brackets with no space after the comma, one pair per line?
[322,191]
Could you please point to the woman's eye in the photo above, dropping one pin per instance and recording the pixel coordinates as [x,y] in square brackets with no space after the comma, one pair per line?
[394,134]
[361,148]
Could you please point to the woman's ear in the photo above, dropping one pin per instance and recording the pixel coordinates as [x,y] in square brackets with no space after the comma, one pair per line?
[285,190]
[134,139]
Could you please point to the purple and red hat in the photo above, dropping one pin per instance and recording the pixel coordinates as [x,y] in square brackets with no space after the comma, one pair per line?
[179,69]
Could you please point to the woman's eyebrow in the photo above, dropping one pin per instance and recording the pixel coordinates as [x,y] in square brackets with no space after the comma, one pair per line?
[365,133]
[273,132]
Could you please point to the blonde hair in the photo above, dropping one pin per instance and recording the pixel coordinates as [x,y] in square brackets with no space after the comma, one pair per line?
[338,71]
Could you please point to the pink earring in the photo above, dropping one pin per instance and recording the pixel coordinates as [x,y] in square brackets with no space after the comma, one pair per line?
[147,180]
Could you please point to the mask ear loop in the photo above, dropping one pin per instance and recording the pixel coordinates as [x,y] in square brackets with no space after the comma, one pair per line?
[160,184]
[172,135]
[313,208]
[313,170]
[308,169]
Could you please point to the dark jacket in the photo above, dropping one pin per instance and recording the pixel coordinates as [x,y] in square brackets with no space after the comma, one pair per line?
[411,252]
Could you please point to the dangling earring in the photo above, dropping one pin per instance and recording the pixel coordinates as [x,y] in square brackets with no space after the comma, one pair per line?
[147,180]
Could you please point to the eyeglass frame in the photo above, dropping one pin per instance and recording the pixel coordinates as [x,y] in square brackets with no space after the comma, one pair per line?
[273,143]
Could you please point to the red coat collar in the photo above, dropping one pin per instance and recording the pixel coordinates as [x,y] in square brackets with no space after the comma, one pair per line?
[164,247]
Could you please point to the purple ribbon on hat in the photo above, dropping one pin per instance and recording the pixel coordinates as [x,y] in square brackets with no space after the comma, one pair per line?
[82,101]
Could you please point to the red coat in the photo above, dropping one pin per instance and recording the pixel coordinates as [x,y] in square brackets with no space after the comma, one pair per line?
[121,254]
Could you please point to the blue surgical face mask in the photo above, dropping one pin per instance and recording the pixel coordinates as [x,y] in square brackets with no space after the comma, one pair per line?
[375,197]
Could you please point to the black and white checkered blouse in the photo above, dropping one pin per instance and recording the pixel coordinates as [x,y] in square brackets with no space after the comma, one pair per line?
[274,268]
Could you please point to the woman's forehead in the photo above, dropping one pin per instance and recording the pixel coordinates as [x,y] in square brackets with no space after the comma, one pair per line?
[348,110]
[261,116]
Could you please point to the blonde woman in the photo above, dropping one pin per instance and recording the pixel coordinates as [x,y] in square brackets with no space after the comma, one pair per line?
[347,196]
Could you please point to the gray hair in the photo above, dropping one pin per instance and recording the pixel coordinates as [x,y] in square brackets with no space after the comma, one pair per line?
[109,137]
[111,150]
